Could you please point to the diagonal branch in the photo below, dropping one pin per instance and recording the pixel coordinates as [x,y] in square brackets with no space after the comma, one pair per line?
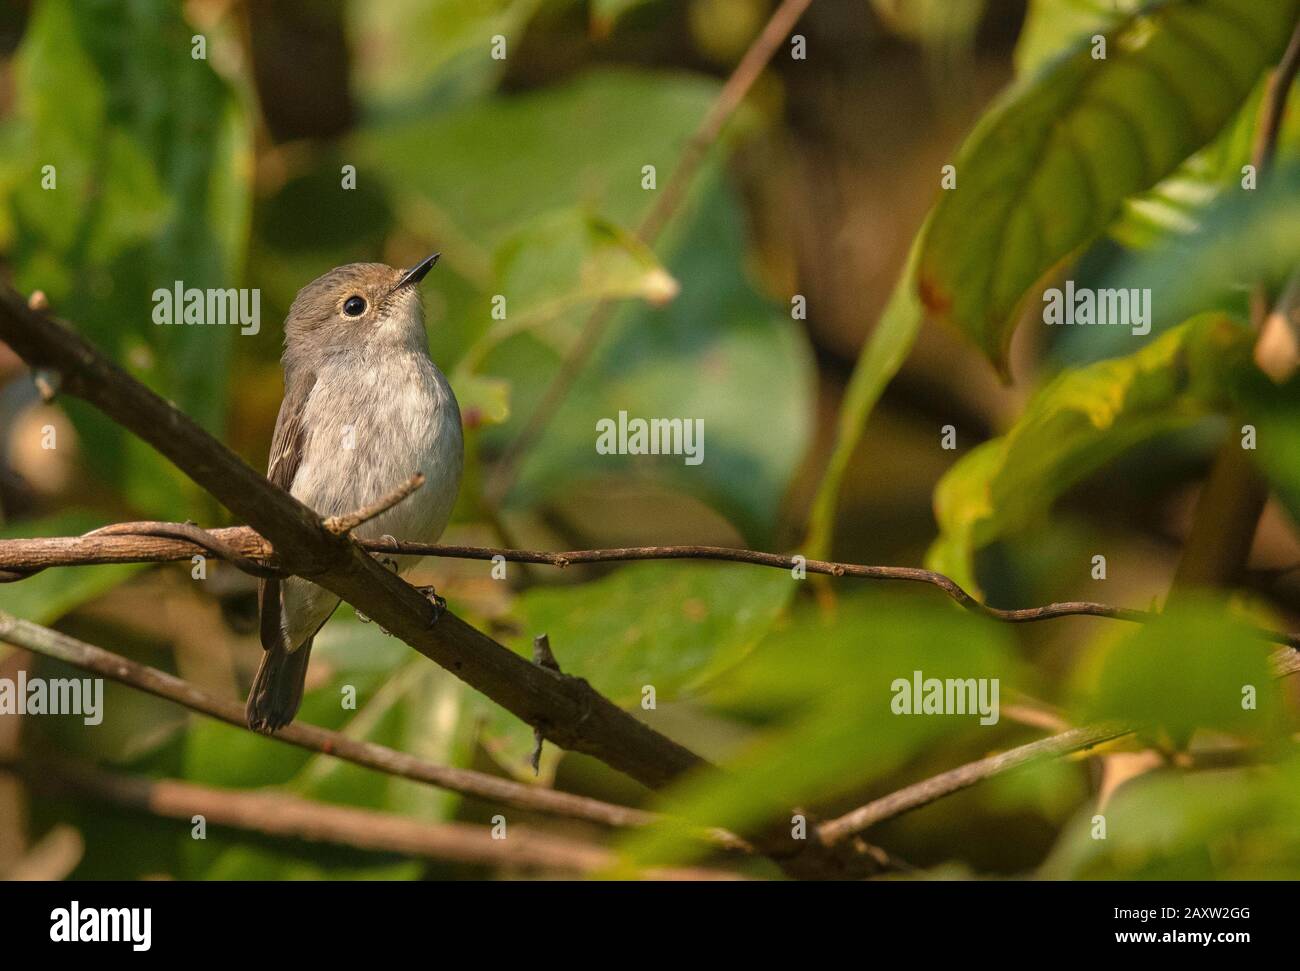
[566,710]
[69,650]
[291,817]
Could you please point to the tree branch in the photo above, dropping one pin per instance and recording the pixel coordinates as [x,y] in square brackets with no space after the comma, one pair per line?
[566,710]
[22,557]
[1283,663]
[69,650]
[290,817]
[962,777]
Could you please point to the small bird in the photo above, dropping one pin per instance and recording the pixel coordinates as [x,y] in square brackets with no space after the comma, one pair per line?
[364,408]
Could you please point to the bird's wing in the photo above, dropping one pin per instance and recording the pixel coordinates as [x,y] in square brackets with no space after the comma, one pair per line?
[286,455]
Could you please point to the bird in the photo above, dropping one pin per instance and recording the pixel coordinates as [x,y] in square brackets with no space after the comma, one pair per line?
[364,408]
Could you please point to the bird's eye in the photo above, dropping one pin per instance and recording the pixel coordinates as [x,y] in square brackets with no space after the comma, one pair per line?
[354,306]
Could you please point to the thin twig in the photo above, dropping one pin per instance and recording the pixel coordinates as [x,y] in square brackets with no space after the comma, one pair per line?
[1283,664]
[285,816]
[60,646]
[26,555]
[733,92]
[962,777]
[338,525]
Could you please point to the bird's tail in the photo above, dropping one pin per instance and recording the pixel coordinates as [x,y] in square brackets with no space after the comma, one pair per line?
[277,688]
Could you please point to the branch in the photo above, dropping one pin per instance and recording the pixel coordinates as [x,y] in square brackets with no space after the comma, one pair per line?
[338,525]
[962,777]
[566,710]
[1283,664]
[733,92]
[291,817]
[61,647]
[123,545]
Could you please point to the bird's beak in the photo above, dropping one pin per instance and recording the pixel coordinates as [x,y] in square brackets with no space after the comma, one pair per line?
[416,273]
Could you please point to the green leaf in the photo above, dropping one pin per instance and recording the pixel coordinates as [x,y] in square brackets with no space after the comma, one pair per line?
[1239,824]
[561,262]
[1245,238]
[718,354]
[504,161]
[151,161]
[670,625]
[417,52]
[1048,169]
[1189,669]
[833,682]
[1054,27]
[606,13]
[1076,424]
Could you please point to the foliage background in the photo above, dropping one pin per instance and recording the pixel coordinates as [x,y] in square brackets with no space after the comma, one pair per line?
[526,174]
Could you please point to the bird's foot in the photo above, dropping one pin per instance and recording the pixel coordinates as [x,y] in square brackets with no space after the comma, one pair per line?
[439,604]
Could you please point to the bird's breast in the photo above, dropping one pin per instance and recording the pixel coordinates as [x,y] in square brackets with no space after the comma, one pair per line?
[367,428]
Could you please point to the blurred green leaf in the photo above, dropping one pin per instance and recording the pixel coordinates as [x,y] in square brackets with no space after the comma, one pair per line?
[938,24]
[1235,824]
[501,162]
[1245,237]
[719,353]
[1076,424]
[673,626]
[1048,168]
[834,681]
[418,52]
[606,13]
[1055,27]
[151,155]
[1186,670]
[561,262]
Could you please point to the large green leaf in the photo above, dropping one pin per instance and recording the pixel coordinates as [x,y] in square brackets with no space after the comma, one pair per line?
[1048,169]
[418,52]
[481,172]
[1193,668]
[1054,27]
[1245,237]
[1075,425]
[560,263]
[833,681]
[1234,824]
[672,626]
[151,157]
[718,354]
